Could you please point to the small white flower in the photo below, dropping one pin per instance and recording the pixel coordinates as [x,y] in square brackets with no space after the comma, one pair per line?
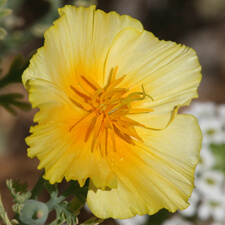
[211,119]
[218,223]
[221,115]
[191,209]
[207,160]
[213,207]
[176,220]
[202,109]
[210,183]
[212,130]
[134,220]
[221,111]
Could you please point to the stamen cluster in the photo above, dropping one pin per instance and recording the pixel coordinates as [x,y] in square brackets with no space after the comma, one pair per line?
[108,109]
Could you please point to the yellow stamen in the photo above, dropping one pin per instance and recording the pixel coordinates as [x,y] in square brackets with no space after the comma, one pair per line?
[113,76]
[143,110]
[91,83]
[128,131]
[98,141]
[95,97]
[87,118]
[108,109]
[115,83]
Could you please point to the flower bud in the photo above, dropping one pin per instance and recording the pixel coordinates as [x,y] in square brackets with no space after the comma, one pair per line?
[34,212]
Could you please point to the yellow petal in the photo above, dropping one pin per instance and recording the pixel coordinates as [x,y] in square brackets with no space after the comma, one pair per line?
[53,103]
[97,79]
[62,155]
[169,73]
[156,174]
[77,45]
[62,148]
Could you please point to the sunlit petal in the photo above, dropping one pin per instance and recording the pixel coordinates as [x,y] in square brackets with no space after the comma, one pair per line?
[152,175]
[169,73]
[64,57]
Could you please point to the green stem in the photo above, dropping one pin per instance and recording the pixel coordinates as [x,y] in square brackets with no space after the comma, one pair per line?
[38,188]
[54,200]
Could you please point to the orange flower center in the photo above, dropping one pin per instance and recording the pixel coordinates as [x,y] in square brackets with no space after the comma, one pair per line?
[108,109]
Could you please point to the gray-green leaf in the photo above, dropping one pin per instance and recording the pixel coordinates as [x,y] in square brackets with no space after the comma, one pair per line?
[2,33]
[3,215]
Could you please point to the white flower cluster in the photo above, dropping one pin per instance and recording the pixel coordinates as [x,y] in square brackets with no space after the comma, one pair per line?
[207,202]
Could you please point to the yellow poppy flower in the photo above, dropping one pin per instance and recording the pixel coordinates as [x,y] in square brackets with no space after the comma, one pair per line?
[108,93]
